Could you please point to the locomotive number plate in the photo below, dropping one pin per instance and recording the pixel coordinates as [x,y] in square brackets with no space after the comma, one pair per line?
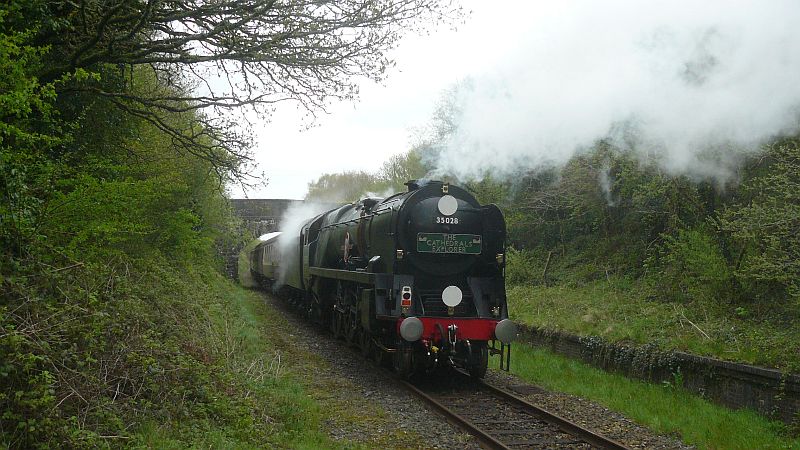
[468,244]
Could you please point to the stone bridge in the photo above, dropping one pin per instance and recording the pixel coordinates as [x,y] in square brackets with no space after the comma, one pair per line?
[259,216]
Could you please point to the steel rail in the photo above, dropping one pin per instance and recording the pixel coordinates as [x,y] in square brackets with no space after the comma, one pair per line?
[593,438]
[486,439]
[484,436]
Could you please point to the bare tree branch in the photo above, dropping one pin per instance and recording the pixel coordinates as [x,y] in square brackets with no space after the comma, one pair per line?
[226,54]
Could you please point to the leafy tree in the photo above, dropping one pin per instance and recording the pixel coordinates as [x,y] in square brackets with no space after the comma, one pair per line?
[765,225]
[350,186]
[27,132]
[448,110]
[400,168]
[490,190]
[345,187]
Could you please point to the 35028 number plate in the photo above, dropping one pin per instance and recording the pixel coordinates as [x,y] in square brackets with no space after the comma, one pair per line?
[467,244]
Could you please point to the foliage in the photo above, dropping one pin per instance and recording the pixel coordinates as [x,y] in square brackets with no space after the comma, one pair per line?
[400,168]
[97,300]
[488,190]
[350,186]
[765,227]
[693,267]
[524,267]
[26,131]
[345,187]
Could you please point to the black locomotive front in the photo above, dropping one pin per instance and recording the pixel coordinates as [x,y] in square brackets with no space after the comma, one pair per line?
[453,250]
[446,240]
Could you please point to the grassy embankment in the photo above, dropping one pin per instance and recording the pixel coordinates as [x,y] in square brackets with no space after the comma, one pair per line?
[590,302]
[253,398]
[158,355]
[274,395]
[621,309]
[663,408]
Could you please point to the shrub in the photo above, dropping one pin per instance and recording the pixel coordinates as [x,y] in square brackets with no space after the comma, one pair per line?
[764,227]
[692,267]
[524,266]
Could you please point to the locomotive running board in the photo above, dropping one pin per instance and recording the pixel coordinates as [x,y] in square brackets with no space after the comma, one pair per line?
[345,275]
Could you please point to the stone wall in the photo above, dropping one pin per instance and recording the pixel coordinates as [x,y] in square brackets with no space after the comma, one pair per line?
[768,391]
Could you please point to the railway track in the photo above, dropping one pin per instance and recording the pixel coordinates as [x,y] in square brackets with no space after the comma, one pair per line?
[502,420]
[498,418]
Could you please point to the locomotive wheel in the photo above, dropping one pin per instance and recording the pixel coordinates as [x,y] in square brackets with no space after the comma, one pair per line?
[351,323]
[351,330]
[478,361]
[332,324]
[380,357]
[365,343]
[377,356]
[404,362]
[337,325]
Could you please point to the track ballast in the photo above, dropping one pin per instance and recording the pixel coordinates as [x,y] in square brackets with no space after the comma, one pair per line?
[502,420]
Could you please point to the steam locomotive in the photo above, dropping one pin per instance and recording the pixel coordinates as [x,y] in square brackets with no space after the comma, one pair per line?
[416,280]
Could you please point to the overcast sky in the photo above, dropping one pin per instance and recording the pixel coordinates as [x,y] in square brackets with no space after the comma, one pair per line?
[551,76]
[360,136]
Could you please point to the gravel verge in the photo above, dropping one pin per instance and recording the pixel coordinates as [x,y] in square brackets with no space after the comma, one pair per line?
[368,408]
[587,414]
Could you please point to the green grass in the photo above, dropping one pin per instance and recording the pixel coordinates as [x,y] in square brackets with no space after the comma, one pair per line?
[620,310]
[256,401]
[276,393]
[665,409]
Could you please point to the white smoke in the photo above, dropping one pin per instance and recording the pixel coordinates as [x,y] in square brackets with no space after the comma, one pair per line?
[605,180]
[693,86]
[291,222]
[388,192]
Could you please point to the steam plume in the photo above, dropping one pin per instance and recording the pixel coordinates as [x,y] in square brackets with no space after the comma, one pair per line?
[290,224]
[692,86]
